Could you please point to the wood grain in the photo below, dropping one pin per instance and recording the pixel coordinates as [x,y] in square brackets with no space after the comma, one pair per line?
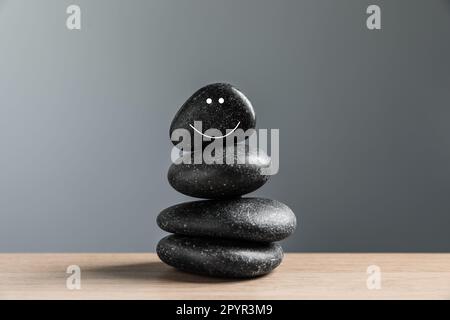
[301,276]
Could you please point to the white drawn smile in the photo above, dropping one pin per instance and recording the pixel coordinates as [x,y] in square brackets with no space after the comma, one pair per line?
[218,137]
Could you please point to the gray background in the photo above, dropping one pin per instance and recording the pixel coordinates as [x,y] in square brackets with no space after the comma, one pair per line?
[363,117]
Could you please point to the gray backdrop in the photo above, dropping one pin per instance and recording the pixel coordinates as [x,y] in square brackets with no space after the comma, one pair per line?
[363,117]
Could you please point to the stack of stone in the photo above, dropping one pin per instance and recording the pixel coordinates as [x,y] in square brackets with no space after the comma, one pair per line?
[227,236]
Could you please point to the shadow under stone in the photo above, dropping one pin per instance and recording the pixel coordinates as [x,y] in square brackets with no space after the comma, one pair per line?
[153,271]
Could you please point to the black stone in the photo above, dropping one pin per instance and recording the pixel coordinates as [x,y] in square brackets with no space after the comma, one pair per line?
[252,219]
[220,180]
[218,257]
[204,106]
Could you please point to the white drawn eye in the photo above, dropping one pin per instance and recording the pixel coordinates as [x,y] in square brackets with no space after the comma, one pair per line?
[221,100]
[209,101]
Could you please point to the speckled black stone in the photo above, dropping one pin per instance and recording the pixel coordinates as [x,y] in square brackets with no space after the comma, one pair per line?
[219,181]
[218,257]
[234,109]
[252,219]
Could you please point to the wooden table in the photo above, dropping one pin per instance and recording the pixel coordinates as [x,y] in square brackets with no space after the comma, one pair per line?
[301,276]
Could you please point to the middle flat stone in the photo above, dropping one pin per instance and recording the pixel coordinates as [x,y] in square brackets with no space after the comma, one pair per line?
[253,219]
[220,180]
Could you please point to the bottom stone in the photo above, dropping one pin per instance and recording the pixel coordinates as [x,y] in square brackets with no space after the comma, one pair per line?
[219,257]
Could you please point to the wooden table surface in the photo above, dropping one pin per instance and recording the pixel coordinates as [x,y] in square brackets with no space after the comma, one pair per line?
[300,276]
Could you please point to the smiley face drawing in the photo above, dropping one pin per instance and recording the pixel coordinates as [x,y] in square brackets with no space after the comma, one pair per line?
[217,106]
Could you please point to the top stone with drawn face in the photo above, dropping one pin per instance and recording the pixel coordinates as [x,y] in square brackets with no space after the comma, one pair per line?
[217,106]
